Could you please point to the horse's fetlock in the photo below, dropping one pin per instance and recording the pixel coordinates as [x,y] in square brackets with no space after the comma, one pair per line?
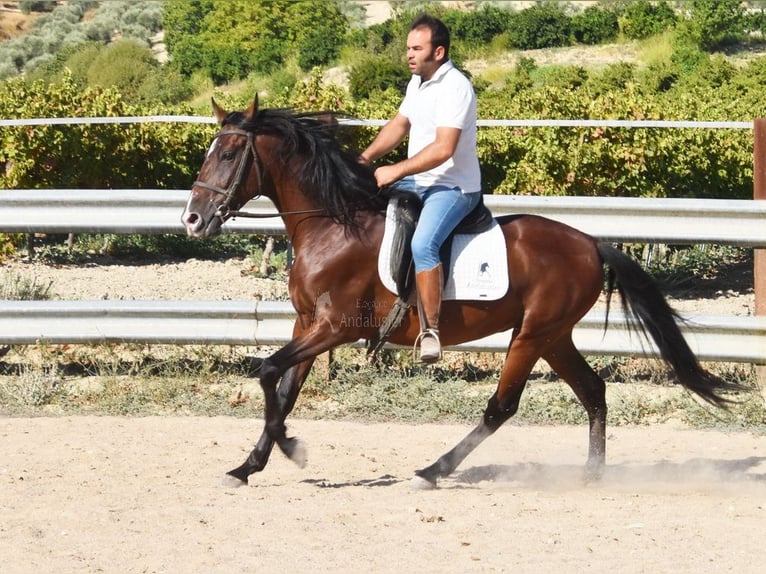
[276,431]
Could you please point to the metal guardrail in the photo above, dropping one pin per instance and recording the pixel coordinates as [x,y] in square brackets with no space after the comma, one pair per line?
[682,221]
[269,323]
[739,222]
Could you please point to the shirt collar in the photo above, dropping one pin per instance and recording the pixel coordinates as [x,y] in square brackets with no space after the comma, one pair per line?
[439,73]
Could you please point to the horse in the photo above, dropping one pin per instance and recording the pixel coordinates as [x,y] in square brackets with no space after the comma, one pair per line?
[334,216]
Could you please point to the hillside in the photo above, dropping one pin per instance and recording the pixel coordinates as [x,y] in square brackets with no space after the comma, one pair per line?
[12,22]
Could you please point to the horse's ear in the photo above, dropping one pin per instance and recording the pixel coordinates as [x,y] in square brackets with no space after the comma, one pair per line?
[220,113]
[252,109]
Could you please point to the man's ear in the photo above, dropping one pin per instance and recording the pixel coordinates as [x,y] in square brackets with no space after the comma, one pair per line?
[439,53]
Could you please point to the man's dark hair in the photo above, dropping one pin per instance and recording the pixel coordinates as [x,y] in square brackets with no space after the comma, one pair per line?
[439,31]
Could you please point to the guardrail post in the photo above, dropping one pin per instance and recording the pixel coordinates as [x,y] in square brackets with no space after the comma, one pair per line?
[759,255]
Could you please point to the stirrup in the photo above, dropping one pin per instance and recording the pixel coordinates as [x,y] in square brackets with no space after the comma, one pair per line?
[432,354]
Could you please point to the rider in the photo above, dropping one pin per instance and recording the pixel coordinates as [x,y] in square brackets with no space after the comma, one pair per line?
[438,114]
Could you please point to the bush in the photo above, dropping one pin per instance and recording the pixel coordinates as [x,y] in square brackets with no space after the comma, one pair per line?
[687,56]
[319,31]
[377,74]
[595,25]
[643,19]
[564,77]
[28,6]
[479,27]
[19,287]
[63,27]
[614,77]
[540,26]
[124,66]
[164,86]
[234,38]
[92,156]
[659,77]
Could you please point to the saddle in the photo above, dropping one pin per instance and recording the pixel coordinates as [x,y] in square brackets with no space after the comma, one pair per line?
[406,216]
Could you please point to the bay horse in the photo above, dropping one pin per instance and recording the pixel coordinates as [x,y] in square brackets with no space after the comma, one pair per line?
[334,216]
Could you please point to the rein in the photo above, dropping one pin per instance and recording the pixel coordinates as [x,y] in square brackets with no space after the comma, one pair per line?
[251,215]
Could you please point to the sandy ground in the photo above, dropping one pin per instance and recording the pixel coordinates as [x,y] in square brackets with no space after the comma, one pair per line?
[103,494]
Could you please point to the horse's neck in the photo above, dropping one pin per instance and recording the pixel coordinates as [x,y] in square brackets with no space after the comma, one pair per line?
[315,234]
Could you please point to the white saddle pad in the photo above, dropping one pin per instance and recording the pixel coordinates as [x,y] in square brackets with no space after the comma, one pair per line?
[478,266]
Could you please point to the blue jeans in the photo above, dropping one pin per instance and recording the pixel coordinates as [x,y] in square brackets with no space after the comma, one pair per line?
[443,208]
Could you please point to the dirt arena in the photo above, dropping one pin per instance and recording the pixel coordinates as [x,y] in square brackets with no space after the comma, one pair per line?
[104,494]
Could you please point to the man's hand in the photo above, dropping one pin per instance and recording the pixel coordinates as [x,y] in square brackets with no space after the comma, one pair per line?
[387,174]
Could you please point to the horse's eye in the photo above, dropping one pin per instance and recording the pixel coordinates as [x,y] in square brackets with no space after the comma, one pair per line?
[228,155]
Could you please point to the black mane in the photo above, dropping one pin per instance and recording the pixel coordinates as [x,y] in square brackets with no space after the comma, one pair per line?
[328,174]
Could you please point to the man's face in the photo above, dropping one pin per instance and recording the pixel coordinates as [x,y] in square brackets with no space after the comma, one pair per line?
[421,55]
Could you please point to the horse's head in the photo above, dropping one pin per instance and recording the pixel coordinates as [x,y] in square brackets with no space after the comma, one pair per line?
[224,183]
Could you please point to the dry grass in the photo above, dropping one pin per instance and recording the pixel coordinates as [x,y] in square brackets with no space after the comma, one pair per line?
[138,380]
[13,23]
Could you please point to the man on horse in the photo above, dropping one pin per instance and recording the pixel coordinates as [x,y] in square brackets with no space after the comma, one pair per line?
[438,114]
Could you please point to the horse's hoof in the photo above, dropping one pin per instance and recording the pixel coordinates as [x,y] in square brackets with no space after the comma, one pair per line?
[299,454]
[594,474]
[420,483]
[229,481]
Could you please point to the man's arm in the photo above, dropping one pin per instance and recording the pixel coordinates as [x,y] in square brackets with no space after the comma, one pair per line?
[434,154]
[390,136]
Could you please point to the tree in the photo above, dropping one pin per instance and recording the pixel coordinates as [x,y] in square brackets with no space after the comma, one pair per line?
[478,27]
[182,19]
[124,65]
[317,32]
[232,38]
[716,23]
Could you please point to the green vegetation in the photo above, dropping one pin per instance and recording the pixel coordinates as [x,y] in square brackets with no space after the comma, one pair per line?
[269,46]
[77,22]
[229,39]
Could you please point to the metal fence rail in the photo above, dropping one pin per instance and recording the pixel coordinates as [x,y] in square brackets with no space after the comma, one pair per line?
[682,221]
[737,222]
[713,338]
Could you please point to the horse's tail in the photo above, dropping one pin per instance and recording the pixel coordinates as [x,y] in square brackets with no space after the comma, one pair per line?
[645,307]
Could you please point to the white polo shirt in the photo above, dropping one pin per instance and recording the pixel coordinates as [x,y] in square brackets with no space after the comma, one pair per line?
[446,100]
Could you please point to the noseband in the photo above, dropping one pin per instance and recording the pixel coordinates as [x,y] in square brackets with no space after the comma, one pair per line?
[223,210]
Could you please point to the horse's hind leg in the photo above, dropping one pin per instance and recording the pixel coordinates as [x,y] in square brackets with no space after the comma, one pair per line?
[287,393]
[590,389]
[521,357]
[494,417]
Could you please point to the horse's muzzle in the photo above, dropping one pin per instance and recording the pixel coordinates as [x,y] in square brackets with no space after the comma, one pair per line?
[197,227]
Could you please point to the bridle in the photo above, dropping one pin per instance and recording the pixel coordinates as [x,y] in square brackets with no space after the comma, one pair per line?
[223,211]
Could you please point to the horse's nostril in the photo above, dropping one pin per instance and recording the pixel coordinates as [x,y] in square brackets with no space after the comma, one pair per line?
[193,222]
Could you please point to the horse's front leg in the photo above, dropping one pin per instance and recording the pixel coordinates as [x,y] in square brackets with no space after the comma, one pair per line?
[292,364]
[287,393]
